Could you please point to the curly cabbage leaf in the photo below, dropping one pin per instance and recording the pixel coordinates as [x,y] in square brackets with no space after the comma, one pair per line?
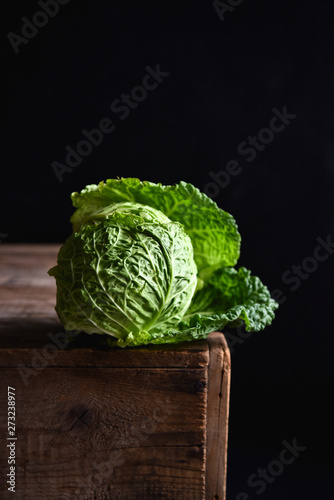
[213,232]
[231,298]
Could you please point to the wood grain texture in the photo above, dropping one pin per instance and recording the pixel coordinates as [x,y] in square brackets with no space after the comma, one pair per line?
[219,372]
[100,423]
[91,432]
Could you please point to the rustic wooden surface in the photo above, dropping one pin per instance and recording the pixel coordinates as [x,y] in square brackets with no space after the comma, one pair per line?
[219,372]
[101,423]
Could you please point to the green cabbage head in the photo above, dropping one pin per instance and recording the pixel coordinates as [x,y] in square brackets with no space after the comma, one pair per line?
[129,272]
[148,263]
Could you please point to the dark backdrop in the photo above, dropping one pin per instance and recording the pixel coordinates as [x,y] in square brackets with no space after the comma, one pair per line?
[226,72]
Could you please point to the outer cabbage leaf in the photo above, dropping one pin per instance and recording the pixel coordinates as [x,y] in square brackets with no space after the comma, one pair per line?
[125,276]
[128,208]
[231,298]
[213,232]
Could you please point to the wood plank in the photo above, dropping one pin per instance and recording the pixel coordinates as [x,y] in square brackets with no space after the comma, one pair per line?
[27,264]
[40,359]
[108,433]
[217,417]
[26,290]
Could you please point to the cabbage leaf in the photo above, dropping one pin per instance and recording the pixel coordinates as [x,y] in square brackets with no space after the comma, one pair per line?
[213,232]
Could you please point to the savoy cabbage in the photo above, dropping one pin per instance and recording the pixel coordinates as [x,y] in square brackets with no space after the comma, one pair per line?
[148,263]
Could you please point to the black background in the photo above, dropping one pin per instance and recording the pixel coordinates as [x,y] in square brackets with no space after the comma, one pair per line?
[225,77]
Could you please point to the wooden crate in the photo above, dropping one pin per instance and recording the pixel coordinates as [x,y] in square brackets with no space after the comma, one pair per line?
[98,423]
